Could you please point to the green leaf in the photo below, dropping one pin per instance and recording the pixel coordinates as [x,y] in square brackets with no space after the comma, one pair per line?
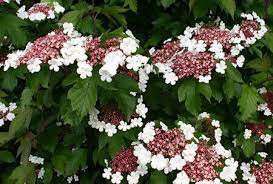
[248,101]
[117,142]
[83,96]
[200,7]
[4,138]
[26,97]
[13,29]
[259,64]
[21,121]
[231,89]
[6,156]
[233,73]
[126,103]
[132,4]
[188,92]
[76,161]
[167,3]
[248,147]
[48,140]
[73,16]
[268,41]
[158,177]
[85,25]
[23,174]
[205,90]
[229,6]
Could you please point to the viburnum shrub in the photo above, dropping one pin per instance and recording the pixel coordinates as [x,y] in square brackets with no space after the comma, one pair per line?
[131,91]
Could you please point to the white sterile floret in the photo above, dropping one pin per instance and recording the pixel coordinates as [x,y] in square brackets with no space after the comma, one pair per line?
[58,8]
[200,46]
[159,162]
[264,107]
[220,150]
[21,13]
[151,50]
[84,69]
[13,60]
[216,47]
[123,126]
[116,178]
[189,152]
[247,133]
[33,65]
[107,173]
[218,135]
[170,78]
[262,90]
[136,61]
[148,133]
[76,178]
[229,171]
[41,173]
[240,61]
[266,138]
[187,130]
[55,63]
[221,67]
[182,178]
[136,122]
[215,123]
[37,16]
[142,169]
[203,115]
[10,116]
[262,154]
[141,109]
[133,178]
[177,163]
[143,155]
[68,28]
[69,179]
[204,79]
[36,160]
[110,129]
[129,45]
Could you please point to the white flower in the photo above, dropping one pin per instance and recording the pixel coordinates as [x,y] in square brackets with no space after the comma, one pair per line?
[37,16]
[58,8]
[187,130]
[240,61]
[33,65]
[1,122]
[141,109]
[36,160]
[177,163]
[200,46]
[136,61]
[170,78]
[247,133]
[70,179]
[133,178]
[84,69]
[129,45]
[151,51]
[159,162]
[204,79]
[13,59]
[21,13]
[262,90]
[10,116]
[182,178]
[143,155]
[203,115]
[189,152]
[229,171]
[116,178]
[107,172]
[220,150]
[218,135]
[68,28]
[136,122]
[76,178]
[221,67]
[215,123]
[41,173]
[266,138]
[55,63]
[263,154]
[110,129]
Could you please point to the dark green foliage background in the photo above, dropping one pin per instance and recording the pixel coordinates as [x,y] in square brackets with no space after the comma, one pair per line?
[47,97]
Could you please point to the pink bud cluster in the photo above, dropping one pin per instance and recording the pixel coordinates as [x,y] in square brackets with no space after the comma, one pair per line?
[263,172]
[45,48]
[124,161]
[111,114]
[205,164]
[168,143]
[205,48]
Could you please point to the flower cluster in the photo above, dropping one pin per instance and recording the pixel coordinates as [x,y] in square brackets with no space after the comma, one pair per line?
[176,149]
[203,49]
[6,113]
[258,173]
[66,46]
[38,161]
[267,107]
[260,130]
[40,11]
[124,162]
[109,119]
